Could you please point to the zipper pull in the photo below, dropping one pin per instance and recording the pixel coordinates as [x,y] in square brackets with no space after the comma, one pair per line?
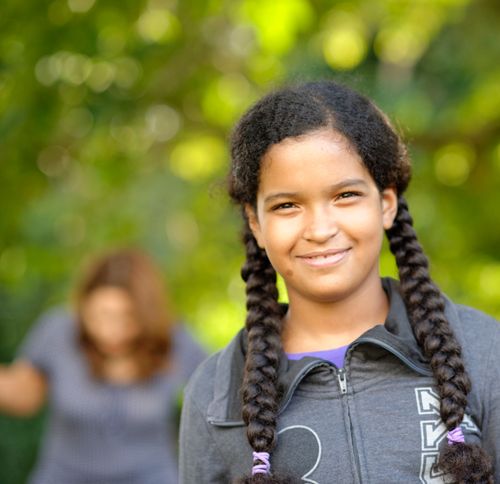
[342,378]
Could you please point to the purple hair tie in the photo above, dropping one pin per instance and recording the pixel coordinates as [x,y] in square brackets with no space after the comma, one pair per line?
[456,436]
[264,467]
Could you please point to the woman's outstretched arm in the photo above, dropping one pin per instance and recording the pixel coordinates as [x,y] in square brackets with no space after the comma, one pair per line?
[22,389]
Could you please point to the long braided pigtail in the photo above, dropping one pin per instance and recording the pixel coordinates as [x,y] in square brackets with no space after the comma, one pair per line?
[260,390]
[464,463]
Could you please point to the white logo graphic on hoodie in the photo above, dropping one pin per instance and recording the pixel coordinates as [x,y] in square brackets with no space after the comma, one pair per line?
[432,432]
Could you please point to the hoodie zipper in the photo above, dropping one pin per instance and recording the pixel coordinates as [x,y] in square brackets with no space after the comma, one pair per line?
[342,381]
[342,378]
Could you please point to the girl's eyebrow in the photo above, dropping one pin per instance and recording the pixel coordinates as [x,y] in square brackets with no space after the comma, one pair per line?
[348,182]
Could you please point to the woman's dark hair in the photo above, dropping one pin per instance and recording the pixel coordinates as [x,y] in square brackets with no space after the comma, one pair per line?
[134,272]
[292,112]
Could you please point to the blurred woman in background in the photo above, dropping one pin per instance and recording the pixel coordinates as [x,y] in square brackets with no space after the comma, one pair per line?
[111,374]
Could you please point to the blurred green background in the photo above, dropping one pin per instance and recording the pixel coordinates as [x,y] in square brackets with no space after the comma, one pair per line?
[114,124]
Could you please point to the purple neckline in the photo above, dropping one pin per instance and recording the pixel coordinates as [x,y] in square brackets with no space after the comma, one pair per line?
[335,355]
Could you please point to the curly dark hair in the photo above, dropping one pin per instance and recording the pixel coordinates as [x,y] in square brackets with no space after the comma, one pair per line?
[295,111]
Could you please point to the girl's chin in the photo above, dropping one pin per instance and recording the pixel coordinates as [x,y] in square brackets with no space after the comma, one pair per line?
[114,351]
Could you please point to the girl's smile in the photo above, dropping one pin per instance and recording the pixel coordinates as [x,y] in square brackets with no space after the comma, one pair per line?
[321,218]
[324,258]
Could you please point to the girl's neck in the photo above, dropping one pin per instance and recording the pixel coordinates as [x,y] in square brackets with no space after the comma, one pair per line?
[120,370]
[315,326]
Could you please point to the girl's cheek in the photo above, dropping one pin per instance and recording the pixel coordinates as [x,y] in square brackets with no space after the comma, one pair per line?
[362,219]
[287,229]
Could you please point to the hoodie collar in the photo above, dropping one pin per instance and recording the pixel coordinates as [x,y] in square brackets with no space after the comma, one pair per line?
[395,335]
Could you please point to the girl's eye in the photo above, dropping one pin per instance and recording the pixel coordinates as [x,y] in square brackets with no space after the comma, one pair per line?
[283,206]
[345,195]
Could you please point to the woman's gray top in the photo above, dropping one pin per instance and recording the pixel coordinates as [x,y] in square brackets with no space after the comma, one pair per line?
[99,432]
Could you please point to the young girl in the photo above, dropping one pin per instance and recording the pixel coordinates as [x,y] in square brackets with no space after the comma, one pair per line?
[359,379]
[111,374]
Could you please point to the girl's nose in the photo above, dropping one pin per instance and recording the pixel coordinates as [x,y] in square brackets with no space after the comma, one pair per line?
[320,225]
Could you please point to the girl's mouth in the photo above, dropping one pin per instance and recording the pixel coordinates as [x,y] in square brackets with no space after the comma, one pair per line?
[325,259]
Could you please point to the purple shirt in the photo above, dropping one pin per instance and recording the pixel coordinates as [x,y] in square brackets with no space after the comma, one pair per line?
[335,356]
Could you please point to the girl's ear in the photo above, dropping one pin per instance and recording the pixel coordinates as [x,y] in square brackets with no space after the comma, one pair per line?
[389,206]
[254,224]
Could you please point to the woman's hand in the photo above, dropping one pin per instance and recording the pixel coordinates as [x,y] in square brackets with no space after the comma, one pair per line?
[22,389]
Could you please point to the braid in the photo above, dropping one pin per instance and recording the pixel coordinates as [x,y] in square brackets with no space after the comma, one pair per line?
[260,390]
[425,304]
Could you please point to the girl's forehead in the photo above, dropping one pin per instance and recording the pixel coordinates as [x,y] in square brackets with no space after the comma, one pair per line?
[324,133]
[324,140]
[312,158]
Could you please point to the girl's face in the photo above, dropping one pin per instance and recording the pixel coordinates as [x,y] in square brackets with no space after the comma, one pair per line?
[108,318]
[320,217]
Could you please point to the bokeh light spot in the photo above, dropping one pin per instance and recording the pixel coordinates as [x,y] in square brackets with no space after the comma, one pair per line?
[101,76]
[265,68]
[53,161]
[489,280]
[75,68]
[158,25]
[400,44]
[111,40]
[80,6]
[182,230]
[453,163]
[47,70]
[344,47]
[223,318]
[226,98]
[278,23]
[163,122]
[242,40]
[127,72]
[198,157]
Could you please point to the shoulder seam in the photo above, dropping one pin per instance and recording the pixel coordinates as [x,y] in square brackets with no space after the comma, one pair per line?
[210,433]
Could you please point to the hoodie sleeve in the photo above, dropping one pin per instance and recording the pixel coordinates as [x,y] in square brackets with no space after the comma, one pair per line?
[200,460]
[491,423]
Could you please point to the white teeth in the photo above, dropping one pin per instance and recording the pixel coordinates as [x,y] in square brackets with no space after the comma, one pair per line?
[323,256]
[325,259]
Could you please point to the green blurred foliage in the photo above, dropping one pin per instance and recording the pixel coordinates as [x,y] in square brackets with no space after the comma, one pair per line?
[114,124]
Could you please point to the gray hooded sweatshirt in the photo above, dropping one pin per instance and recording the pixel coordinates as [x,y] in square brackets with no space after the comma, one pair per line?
[374,421]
